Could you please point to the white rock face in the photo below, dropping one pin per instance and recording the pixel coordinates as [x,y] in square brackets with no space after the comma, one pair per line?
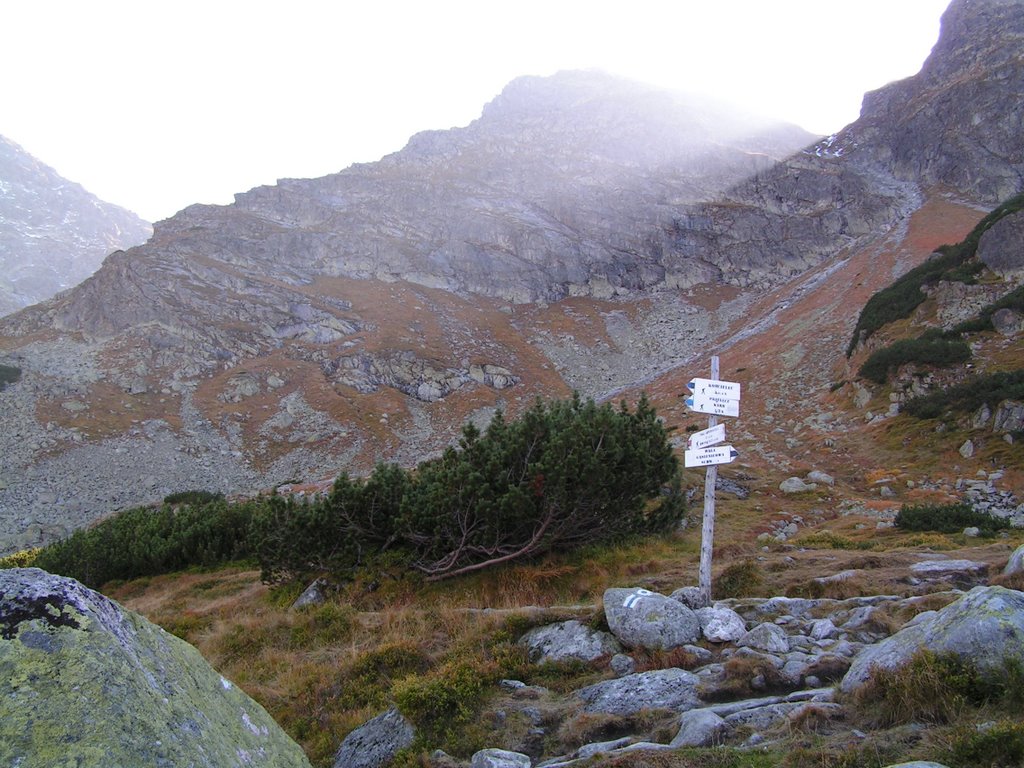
[720,624]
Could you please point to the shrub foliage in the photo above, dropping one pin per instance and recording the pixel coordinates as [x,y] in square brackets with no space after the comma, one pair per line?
[566,474]
[947,518]
[952,263]
[968,397]
[926,350]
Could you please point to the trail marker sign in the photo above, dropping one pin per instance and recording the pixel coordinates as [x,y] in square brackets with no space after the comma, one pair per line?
[706,457]
[706,437]
[719,406]
[729,390]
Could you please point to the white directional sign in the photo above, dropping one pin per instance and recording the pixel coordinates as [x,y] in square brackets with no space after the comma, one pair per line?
[706,437]
[727,389]
[705,457]
[720,406]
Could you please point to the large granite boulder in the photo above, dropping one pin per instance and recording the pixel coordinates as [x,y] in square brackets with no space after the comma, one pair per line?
[720,624]
[640,618]
[661,689]
[568,640]
[985,626]
[376,742]
[84,682]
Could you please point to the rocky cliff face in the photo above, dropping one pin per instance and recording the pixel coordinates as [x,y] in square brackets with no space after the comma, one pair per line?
[583,233]
[53,234]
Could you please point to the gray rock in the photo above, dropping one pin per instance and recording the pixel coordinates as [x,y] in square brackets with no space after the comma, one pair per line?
[568,640]
[311,595]
[949,568]
[1009,417]
[640,618]
[917,764]
[1007,322]
[817,476]
[700,728]
[600,747]
[720,624]
[622,665]
[967,449]
[1001,248]
[972,532]
[376,742]
[688,596]
[822,629]
[114,689]
[661,689]
[796,485]
[1016,562]
[499,758]
[766,637]
[985,626]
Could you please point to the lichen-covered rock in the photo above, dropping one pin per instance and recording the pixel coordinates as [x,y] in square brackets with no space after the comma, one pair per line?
[661,689]
[640,618]
[568,640]
[796,485]
[376,742]
[985,626]
[765,637]
[700,728]
[84,682]
[1016,562]
[499,758]
[720,624]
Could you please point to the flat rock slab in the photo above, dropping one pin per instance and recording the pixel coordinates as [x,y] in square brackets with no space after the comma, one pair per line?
[568,640]
[674,689]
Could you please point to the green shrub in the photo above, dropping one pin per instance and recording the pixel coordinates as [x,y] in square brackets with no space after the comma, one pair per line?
[741,579]
[947,518]
[904,295]
[999,745]
[445,699]
[192,497]
[9,374]
[970,396]
[146,542]
[926,350]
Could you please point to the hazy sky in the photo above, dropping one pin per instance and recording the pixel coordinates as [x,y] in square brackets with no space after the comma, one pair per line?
[156,105]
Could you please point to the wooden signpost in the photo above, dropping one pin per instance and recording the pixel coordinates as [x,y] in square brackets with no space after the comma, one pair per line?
[717,398]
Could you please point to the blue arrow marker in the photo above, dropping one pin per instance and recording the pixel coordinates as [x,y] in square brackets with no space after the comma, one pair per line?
[689,401]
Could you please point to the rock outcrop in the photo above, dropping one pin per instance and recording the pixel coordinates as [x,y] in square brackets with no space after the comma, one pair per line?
[985,626]
[84,682]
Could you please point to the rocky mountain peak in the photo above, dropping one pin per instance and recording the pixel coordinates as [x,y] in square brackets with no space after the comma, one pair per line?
[53,233]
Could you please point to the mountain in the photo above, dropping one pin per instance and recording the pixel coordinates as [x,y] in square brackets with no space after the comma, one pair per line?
[53,233]
[583,233]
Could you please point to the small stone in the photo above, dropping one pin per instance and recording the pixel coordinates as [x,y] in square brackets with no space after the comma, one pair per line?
[967,449]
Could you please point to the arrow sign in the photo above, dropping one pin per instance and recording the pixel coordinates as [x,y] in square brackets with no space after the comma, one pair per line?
[727,389]
[720,406]
[705,457]
[706,437]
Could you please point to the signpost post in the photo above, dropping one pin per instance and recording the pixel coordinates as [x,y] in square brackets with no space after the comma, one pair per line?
[716,398]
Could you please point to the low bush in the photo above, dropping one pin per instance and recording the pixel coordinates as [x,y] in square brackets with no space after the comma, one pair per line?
[926,350]
[26,558]
[996,745]
[146,542]
[9,374]
[948,518]
[445,699]
[970,396]
[937,688]
[903,296]
[742,579]
[192,497]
